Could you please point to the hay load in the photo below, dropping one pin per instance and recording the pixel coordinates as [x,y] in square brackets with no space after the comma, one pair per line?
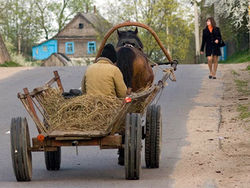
[82,113]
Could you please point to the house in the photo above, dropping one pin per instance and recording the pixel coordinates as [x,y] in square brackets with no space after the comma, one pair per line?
[56,59]
[79,39]
[44,49]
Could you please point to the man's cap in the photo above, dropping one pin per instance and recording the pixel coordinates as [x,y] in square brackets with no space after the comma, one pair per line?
[109,52]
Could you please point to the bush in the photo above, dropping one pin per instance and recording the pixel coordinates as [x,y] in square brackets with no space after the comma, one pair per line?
[23,62]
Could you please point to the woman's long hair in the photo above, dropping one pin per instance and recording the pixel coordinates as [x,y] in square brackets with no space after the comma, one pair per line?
[213,23]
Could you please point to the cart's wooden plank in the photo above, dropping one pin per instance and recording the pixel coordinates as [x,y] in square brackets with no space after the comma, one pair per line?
[107,142]
[37,121]
[58,80]
[59,143]
[72,138]
[112,140]
[58,133]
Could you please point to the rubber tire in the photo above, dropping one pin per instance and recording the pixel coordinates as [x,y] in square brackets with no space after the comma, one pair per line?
[20,153]
[133,146]
[153,136]
[53,159]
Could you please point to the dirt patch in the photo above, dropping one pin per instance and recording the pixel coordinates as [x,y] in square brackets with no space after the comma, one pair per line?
[218,154]
[5,72]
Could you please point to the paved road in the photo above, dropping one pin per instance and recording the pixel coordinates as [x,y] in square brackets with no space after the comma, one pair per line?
[94,167]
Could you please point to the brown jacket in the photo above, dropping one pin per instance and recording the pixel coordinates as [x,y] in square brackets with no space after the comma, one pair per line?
[104,78]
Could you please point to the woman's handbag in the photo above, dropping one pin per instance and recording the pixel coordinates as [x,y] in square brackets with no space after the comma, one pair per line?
[222,43]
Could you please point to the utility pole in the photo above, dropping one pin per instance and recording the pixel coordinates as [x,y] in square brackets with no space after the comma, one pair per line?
[249,25]
[167,32]
[196,25]
[19,44]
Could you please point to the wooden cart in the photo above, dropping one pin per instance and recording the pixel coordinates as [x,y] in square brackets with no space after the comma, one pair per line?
[51,142]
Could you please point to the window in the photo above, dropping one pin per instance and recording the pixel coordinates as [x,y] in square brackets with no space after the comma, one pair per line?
[91,47]
[81,25]
[45,48]
[69,48]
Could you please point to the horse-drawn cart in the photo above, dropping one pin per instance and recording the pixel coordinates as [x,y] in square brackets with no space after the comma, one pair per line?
[50,142]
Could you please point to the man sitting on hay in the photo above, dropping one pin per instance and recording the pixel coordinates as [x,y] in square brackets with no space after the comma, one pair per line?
[104,77]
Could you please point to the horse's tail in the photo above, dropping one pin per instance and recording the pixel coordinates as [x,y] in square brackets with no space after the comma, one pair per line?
[125,59]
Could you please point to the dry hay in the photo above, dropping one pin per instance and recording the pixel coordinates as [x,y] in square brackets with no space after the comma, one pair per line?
[82,113]
[51,100]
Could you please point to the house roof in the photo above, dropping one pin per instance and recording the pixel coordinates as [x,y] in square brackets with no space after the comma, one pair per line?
[61,57]
[97,21]
[43,42]
[100,24]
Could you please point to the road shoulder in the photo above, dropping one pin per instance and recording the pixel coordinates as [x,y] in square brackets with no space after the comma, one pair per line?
[218,151]
[6,72]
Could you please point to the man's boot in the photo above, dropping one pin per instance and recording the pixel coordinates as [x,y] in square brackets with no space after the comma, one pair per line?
[121,156]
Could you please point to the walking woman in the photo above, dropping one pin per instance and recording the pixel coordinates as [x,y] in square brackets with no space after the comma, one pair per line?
[211,39]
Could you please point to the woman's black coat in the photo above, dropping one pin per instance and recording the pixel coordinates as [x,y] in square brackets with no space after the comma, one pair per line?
[208,40]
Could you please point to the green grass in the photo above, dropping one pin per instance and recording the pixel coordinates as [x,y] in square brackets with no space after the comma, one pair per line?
[235,73]
[239,57]
[244,111]
[10,64]
[241,83]
[242,86]
[248,68]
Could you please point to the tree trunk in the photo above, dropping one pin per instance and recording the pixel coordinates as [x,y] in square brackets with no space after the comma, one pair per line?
[4,54]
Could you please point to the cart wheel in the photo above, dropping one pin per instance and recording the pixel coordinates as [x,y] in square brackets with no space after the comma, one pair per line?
[20,149]
[153,136]
[133,146]
[53,159]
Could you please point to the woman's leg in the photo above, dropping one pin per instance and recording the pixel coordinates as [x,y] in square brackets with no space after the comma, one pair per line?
[209,63]
[215,62]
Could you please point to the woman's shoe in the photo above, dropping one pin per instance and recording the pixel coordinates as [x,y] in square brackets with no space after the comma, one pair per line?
[210,77]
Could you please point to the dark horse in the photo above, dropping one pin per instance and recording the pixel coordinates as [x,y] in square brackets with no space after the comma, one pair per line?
[132,62]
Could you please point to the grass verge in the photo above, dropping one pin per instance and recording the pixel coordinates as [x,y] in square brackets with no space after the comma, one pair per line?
[239,57]
[242,86]
[235,73]
[244,111]
[248,68]
[10,64]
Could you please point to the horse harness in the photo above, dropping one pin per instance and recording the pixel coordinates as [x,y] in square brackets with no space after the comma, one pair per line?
[143,54]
